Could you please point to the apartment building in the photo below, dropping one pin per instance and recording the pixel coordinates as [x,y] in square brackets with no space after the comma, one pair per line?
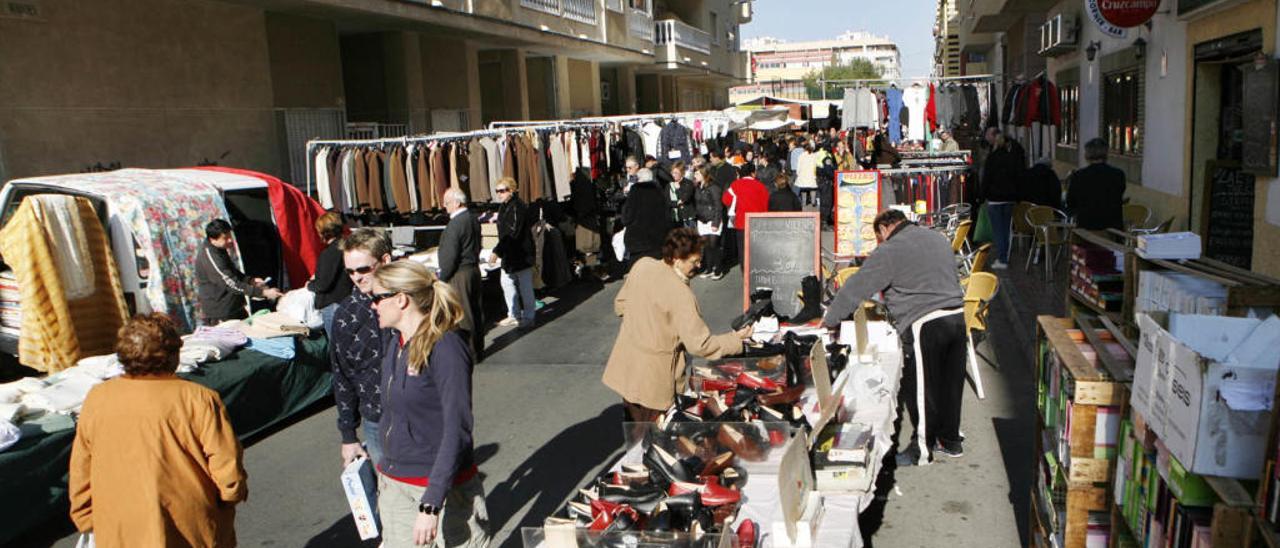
[162,83]
[779,67]
[946,34]
[1187,102]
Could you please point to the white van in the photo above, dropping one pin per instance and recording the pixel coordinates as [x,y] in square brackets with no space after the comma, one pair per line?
[246,200]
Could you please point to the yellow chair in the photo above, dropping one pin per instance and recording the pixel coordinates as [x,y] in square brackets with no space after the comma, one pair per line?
[844,274]
[1136,216]
[981,259]
[1020,229]
[961,240]
[1050,229]
[978,292]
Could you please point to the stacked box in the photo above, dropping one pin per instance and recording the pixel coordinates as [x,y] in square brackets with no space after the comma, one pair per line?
[1097,276]
[1079,410]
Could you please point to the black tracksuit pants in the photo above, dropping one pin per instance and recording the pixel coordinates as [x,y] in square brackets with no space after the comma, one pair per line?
[943,346]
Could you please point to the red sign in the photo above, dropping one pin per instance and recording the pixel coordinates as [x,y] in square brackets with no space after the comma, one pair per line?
[1127,13]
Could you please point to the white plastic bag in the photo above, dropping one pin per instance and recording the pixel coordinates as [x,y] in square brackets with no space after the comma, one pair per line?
[619,245]
[300,304]
[86,541]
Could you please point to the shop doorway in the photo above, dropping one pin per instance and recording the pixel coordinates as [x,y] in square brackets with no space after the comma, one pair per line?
[1222,191]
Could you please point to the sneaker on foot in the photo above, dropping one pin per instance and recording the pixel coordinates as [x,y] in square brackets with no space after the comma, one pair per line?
[999,265]
[718,277]
[508,322]
[954,450]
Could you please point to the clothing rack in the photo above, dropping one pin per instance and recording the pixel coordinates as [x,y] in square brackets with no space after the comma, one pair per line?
[915,79]
[922,170]
[913,154]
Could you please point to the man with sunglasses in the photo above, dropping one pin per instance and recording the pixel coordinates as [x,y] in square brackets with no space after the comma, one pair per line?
[356,347]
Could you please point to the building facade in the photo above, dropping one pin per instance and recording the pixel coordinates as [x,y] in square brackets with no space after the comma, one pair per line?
[1187,103]
[779,67]
[164,83]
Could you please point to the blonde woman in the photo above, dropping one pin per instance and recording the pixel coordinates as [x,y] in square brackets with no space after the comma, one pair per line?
[429,492]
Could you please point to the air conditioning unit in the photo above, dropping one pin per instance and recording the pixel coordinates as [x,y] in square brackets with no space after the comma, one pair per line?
[1058,35]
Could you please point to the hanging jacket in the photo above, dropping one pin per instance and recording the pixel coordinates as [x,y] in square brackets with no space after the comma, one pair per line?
[673,138]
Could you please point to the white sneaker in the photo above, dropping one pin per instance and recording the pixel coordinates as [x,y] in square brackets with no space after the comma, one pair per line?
[999,265]
[508,322]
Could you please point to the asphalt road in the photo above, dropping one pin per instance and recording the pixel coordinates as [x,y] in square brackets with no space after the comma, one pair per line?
[545,425]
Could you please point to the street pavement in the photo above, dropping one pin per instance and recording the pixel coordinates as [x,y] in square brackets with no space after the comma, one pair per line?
[545,425]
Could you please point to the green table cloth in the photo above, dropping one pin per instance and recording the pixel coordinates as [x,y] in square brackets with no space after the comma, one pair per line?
[258,390]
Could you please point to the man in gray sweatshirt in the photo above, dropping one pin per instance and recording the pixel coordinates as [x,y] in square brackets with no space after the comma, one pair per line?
[916,269]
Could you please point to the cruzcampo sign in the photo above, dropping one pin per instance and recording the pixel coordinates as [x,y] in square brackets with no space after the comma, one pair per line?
[1094,9]
[1127,13]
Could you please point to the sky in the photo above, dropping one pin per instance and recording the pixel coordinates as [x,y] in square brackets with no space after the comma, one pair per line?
[909,23]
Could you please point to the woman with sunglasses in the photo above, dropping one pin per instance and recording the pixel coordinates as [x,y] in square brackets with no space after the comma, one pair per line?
[515,248]
[429,491]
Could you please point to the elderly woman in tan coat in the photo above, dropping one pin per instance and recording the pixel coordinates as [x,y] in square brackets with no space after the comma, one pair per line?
[155,461]
[660,322]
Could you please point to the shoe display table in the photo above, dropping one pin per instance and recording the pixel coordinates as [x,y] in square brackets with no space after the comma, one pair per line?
[868,389]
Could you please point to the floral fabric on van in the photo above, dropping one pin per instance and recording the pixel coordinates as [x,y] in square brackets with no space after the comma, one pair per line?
[167,216]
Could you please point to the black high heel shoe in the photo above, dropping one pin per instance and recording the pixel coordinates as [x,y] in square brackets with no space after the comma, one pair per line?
[664,467]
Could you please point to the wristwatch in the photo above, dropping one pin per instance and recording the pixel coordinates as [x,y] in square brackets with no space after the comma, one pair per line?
[429,509]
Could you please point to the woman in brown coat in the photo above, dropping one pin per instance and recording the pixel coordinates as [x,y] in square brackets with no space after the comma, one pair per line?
[155,461]
[660,322]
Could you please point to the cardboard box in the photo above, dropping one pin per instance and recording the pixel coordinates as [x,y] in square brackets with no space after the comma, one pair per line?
[1212,415]
[359,484]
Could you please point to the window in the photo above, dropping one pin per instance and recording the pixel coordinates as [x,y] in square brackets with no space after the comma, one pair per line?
[1069,98]
[1122,111]
[641,5]
[715,28]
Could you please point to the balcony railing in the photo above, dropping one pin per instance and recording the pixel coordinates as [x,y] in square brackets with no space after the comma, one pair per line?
[640,24]
[545,6]
[671,31]
[583,11]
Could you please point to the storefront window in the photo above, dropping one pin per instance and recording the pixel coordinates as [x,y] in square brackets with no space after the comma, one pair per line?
[1069,99]
[1122,112]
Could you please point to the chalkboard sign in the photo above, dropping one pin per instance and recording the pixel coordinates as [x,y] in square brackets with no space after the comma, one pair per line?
[781,249]
[1260,98]
[1230,215]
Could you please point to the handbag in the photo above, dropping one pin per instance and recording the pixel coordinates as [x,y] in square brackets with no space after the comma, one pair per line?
[983,233]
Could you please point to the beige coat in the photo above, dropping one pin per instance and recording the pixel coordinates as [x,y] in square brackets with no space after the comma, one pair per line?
[660,318]
[155,463]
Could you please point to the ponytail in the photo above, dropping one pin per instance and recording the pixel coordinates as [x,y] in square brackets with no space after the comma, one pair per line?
[444,312]
[434,298]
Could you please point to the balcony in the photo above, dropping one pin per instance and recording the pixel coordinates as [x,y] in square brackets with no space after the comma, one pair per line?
[640,24]
[670,31]
[582,11]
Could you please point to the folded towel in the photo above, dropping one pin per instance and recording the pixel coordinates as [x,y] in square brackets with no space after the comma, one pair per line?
[280,347]
[65,396]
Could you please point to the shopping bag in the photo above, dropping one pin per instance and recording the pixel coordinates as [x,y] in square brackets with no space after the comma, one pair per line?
[982,233]
[359,484]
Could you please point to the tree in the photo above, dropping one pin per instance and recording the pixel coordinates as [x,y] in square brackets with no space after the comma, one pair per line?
[858,69]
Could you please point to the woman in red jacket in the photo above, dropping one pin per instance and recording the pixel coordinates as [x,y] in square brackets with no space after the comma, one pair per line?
[745,195]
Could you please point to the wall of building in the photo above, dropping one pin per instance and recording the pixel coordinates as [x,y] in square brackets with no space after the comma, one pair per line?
[138,85]
[306,61]
[584,88]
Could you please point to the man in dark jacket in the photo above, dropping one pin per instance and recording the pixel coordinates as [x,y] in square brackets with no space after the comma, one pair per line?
[767,170]
[1095,194]
[459,258]
[221,287]
[1002,177]
[646,216]
[515,248]
[680,190]
[356,347]
[915,269]
[1043,186]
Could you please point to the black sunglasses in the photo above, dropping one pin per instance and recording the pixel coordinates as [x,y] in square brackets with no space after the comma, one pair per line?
[379,297]
[362,270]
[503,190]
